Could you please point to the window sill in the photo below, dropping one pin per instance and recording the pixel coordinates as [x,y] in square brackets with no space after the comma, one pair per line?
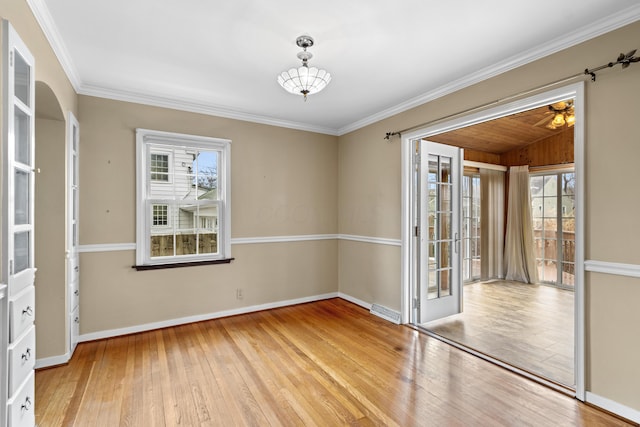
[181,264]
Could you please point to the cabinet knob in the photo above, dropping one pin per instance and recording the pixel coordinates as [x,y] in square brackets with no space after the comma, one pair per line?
[26,355]
[26,405]
[28,311]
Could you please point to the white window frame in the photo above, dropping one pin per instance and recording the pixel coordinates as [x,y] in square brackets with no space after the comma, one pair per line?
[145,138]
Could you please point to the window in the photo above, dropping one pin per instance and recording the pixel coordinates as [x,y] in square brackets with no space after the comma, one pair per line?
[159,166]
[471,227]
[183,210]
[553,208]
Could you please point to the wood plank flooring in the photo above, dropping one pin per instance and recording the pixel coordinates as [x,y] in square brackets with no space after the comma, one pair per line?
[527,326]
[327,363]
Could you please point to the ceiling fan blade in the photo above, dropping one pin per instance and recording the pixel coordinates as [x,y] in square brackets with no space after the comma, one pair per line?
[545,120]
[630,54]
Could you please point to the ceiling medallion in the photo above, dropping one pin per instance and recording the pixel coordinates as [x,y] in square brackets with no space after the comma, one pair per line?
[304,80]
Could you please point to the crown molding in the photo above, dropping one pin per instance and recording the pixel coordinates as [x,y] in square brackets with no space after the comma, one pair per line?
[602,26]
[45,20]
[193,106]
[598,28]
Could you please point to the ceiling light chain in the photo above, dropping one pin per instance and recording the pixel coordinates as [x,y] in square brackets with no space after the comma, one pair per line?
[304,80]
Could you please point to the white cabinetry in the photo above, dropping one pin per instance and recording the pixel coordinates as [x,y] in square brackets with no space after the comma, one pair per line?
[17,336]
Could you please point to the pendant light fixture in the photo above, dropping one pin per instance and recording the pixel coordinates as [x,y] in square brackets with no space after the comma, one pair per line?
[304,80]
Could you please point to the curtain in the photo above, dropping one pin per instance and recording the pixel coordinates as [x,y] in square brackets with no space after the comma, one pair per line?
[491,224]
[519,255]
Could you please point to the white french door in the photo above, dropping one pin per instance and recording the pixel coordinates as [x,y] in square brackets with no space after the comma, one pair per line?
[439,277]
[18,160]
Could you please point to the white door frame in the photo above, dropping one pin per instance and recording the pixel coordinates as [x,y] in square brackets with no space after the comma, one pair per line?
[408,278]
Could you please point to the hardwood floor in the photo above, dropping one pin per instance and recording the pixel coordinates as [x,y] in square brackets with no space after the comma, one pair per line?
[527,326]
[325,363]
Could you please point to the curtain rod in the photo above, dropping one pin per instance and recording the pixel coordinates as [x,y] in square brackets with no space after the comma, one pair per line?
[624,59]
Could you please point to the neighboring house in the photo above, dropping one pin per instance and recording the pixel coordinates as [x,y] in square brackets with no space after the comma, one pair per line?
[179,179]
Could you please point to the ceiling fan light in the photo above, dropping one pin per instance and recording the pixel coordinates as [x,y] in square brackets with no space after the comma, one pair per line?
[558,120]
[571,120]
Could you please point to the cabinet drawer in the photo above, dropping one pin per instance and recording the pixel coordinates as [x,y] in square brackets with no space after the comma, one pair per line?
[20,407]
[22,312]
[74,295]
[22,359]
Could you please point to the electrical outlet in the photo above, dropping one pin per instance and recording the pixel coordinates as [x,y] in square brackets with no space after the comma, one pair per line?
[239,294]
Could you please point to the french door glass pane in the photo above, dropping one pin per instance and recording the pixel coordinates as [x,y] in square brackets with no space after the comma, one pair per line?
[21,197]
[21,251]
[21,79]
[445,283]
[22,134]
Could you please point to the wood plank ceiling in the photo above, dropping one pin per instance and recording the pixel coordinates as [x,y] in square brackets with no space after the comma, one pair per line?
[501,135]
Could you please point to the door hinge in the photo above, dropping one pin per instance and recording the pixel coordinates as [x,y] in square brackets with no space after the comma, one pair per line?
[11,59]
[416,231]
[11,267]
[416,303]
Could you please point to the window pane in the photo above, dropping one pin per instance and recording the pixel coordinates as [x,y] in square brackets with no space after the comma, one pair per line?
[21,251]
[21,206]
[568,184]
[21,79]
[433,168]
[445,255]
[445,197]
[22,134]
[568,206]
[550,207]
[445,169]
[161,245]
[551,185]
[536,207]
[159,167]
[206,165]
[568,273]
[445,283]
[445,226]
[536,183]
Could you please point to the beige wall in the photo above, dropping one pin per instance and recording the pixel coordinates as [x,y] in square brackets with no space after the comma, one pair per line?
[51,304]
[284,183]
[370,182]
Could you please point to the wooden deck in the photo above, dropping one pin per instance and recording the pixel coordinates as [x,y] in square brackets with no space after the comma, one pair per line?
[527,326]
[327,363]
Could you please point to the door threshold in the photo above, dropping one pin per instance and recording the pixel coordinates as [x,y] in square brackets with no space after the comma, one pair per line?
[564,389]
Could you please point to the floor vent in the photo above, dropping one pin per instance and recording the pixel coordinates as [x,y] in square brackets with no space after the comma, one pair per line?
[386,313]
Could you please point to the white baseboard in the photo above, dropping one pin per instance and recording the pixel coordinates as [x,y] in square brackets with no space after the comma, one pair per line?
[354,300]
[613,407]
[48,362]
[201,317]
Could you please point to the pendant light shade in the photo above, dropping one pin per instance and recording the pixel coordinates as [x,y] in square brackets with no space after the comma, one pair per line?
[304,80]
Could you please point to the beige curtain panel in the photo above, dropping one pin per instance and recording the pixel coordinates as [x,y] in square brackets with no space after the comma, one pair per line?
[491,224]
[519,254]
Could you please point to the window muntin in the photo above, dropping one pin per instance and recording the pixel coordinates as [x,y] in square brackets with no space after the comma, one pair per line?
[183,203]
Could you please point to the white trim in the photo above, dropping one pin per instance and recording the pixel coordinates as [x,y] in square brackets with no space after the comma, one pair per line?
[595,29]
[45,20]
[481,165]
[282,239]
[48,362]
[195,106]
[107,247]
[619,269]
[614,407]
[202,317]
[576,91]
[114,247]
[355,300]
[592,30]
[374,240]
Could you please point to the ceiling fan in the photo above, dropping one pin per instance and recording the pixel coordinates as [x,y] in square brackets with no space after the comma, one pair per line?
[560,114]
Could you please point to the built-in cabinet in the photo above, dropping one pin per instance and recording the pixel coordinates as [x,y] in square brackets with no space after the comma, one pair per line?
[18,269]
[73,232]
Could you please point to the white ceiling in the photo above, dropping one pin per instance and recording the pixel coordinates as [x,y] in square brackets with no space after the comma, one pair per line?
[222,56]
